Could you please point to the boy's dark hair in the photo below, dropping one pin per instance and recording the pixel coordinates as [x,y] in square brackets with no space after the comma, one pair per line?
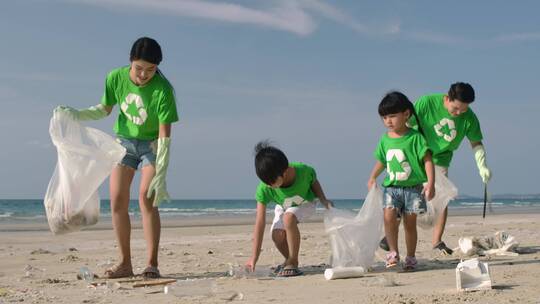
[461,91]
[396,102]
[270,162]
[146,49]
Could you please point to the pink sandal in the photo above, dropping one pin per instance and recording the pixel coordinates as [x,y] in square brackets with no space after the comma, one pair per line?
[410,263]
[392,259]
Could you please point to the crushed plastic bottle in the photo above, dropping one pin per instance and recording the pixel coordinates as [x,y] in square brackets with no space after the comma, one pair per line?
[86,274]
[238,272]
[192,288]
[31,271]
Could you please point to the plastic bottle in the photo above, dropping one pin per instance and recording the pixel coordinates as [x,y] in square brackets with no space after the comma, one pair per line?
[242,272]
[191,288]
[86,274]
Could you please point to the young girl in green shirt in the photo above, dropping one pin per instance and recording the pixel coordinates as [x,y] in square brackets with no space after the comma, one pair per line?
[404,154]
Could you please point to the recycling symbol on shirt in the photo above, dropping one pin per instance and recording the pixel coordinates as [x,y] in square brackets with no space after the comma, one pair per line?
[134,110]
[294,201]
[446,128]
[396,166]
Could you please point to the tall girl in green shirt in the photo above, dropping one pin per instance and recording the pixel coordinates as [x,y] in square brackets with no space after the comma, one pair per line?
[147,108]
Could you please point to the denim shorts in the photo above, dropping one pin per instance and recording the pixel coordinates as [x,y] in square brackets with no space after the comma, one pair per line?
[405,199]
[138,151]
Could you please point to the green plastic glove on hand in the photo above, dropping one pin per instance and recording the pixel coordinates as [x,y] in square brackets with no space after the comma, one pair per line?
[480,157]
[93,113]
[158,185]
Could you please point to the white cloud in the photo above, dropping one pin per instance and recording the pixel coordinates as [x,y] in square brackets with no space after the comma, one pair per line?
[295,16]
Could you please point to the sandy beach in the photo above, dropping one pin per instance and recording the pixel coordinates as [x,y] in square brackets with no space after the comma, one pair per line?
[37,267]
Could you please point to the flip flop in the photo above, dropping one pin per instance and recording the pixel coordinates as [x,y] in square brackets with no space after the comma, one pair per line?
[117,272]
[151,272]
[278,268]
[290,272]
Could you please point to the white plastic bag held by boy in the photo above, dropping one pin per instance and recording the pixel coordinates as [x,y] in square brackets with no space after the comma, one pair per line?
[86,157]
[354,238]
[445,191]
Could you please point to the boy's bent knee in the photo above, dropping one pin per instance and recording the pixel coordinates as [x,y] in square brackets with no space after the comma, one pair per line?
[290,220]
[278,235]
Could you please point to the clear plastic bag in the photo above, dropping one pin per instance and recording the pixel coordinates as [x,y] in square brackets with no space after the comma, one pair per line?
[354,238]
[86,156]
[445,191]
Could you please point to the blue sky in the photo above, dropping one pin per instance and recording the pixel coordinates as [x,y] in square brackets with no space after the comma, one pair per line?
[306,74]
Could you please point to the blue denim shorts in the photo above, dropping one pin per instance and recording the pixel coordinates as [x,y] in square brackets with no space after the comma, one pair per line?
[138,151]
[405,199]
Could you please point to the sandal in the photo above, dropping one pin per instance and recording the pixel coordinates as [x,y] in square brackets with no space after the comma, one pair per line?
[441,246]
[289,272]
[392,259]
[151,272]
[277,269]
[117,272]
[410,263]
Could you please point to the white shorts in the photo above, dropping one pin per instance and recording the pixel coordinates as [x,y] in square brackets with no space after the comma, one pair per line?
[301,212]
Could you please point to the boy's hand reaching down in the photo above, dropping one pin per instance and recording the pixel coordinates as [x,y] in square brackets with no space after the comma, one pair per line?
[250,265]
[327,204]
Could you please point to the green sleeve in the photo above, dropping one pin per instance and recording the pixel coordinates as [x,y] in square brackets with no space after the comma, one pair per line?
[312,175]
[379,153]
[421,147]
[474,133]
[167,107]
[109,96]
[260,195]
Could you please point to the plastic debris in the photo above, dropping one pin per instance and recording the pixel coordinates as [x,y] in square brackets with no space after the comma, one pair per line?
[344,272]
[501,243]
[472,275]
[192,288]
[354,238]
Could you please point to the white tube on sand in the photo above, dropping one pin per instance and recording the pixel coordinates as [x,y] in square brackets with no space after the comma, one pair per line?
[344,272]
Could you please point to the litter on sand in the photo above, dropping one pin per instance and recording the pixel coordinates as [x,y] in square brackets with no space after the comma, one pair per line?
[472,275]
[501,243]
[354,238]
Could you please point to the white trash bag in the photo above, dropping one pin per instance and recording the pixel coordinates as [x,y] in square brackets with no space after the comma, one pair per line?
[354,238]
[445,191]
[86,156]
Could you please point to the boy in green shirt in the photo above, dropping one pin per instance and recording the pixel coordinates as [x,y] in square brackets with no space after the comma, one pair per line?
[294,188]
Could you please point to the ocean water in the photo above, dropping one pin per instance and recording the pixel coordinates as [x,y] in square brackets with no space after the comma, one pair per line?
[32,210]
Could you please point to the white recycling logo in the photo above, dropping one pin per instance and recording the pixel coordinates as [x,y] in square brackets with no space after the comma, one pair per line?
[294,201]
[138,102]
[398,169]
[452,132]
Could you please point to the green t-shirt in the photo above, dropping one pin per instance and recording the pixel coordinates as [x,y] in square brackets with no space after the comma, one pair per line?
[403,159]
[294,195]
[142,109]
[443,131]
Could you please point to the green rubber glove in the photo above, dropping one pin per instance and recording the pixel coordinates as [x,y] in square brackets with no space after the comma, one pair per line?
[158,185]
[93,113]
[480,157]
